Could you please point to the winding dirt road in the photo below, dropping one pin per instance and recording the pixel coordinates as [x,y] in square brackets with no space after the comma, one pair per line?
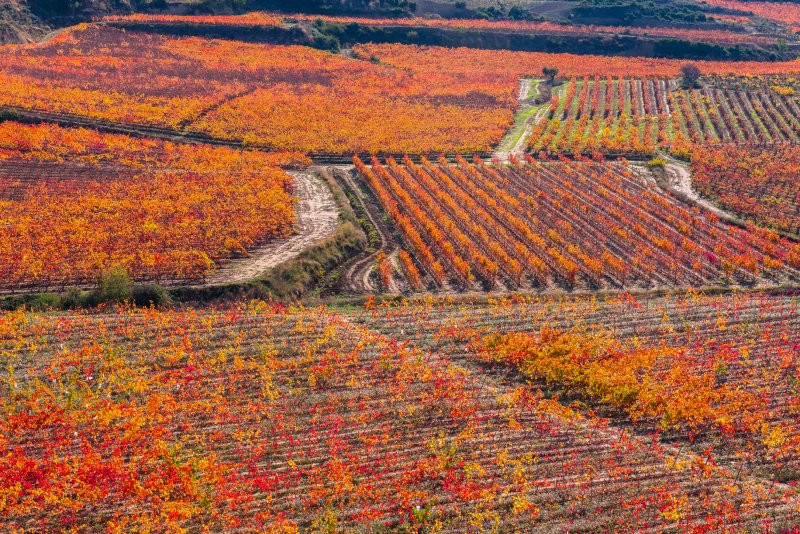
[679,179]
[317,216]
[356,274]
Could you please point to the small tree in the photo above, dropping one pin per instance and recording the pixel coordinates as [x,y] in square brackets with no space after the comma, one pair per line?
[550,72]
[691,76]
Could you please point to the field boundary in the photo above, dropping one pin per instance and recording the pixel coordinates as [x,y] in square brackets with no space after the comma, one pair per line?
[527,115]
[30,116]
[317,214]
[679,182]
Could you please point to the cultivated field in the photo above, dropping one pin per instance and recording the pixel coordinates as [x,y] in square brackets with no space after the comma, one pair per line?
[397,288]
[759,184]
[257,417]
[783,12]
[270,96]
[637,116]
[713,375]
[75,203]
[388,98]
[566,224]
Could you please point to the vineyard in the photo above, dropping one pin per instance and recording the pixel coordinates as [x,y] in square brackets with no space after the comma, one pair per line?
[270,96]
[566,224]
[713,375]
[386,98]
[782,12]
[468,61]
[256,19]
[76,203]
[258,418]
[757,184]
[280,273]
[637,116]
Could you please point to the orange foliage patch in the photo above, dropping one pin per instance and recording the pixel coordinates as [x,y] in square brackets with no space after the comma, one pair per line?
[492,62]
[756,183]
[785,12]
[583,224]
[252,418]
[75,203]
[248,19]
[715,371]
[286,97]
[413,100]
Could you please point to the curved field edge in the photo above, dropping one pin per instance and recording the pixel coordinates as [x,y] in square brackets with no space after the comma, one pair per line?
[311,270]
[304,275]
[317,214]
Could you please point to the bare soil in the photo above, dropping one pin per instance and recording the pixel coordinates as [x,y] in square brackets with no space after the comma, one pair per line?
[356,275]
[317,216]
[679,180]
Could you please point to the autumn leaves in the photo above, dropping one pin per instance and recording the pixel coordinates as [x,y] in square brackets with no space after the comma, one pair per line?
[162,212]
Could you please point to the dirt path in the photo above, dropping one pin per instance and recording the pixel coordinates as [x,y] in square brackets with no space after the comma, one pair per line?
[317,217]
[394,285]
[356,275]
[679,180]
[508,145]
[366,283]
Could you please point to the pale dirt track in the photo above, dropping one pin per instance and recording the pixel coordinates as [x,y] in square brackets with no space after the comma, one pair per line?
[505,148]
[317,217]
[679,179]
[356,274]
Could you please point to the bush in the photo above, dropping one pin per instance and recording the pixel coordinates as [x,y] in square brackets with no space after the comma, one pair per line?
[150,295]
[115,286]
[328,42]
[73,299]
[44,302]
[691,76]
[657,163]
[294,278]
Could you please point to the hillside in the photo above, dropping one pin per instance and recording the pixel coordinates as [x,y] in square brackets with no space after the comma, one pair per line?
[399,267]
[18,24]
[25,21]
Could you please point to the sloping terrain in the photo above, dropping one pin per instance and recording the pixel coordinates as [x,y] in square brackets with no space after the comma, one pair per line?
[18,24]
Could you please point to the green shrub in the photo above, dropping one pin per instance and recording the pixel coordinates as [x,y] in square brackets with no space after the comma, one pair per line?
[328,42]
[657,163]
[150,295]
[44,302]
[115,286]
[73,299]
